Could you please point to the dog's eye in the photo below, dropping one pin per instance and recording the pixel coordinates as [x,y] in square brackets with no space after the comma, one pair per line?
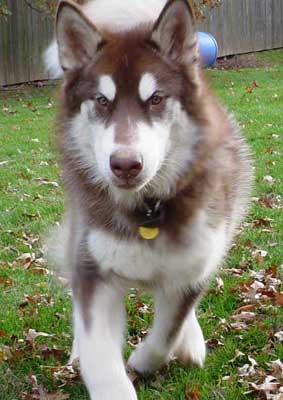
[102,101]
[156,99]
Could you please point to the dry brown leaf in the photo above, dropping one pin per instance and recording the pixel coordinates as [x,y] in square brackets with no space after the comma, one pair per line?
[47,352]
[276,368]
[213,343]
[33,334]
[6,282]
[259,255]
[193,395]
[233,271]
[40,393]
[244,316]
[269,385]
[247,307]
[261,222]
[66,373]
[239,326]
[279,298]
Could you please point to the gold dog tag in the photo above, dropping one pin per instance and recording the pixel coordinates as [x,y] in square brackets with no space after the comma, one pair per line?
[148,233]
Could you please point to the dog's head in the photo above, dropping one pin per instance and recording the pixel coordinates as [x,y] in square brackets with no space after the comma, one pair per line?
[131,97]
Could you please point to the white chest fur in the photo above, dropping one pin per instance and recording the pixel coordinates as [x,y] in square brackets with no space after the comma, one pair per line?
[178,265]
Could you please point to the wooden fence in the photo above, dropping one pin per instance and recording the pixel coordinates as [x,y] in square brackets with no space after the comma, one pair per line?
[243,26]
[240,26]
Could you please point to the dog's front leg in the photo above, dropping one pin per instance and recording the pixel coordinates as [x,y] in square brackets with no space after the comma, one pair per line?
[175,330]
[99,320]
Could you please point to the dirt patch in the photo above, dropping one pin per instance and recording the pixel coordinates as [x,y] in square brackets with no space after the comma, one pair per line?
[240,61]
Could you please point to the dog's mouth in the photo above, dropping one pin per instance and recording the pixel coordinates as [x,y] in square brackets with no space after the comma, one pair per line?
[128,183]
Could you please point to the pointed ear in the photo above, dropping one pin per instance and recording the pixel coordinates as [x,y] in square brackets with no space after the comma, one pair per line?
[77,37]
[174,33]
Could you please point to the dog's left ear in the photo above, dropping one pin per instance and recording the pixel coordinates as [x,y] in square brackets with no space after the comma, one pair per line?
[174,33]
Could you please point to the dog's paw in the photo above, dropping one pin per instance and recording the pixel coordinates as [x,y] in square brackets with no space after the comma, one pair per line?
[190,346]
[145,359]
[113,390]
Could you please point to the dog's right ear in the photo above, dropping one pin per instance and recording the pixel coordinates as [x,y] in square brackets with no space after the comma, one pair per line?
[77,37]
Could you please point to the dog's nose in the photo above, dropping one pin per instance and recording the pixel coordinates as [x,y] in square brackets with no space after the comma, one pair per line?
[125,165]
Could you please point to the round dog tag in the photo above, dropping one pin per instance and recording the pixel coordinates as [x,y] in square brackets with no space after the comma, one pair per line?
[148,233]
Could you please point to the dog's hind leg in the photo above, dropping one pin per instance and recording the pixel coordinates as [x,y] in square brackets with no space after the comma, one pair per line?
[99,318]
[75,345]
[171,312]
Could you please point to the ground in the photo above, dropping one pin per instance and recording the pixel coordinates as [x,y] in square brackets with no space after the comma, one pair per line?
[242,313]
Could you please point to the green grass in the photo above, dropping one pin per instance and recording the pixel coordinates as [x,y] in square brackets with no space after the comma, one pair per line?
[31,201]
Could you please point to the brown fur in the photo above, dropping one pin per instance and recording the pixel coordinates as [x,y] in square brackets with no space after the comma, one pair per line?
[207,182]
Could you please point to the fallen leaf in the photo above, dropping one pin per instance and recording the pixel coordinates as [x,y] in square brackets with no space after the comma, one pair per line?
[3,163]
[279,336]
[261,222]
[269,385]
[239,326]
[247,307]
[276,369]
[279,298]
[238,354]
[193,395]
[40,393]
[268,179]
[220,284]
[259,255]
[245,316]
[66,373]
[46,181]
[32,334]
[213,343]
[6,282]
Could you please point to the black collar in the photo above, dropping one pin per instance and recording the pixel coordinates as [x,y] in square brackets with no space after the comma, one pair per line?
[151,213]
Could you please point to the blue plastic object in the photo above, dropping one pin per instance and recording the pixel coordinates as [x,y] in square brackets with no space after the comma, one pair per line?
[208,48]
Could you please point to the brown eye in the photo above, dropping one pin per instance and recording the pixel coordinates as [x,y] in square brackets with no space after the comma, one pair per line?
[102,101]
[155,99]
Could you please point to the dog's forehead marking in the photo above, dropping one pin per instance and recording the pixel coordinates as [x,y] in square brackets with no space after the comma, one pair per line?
[107,87]
[147,86]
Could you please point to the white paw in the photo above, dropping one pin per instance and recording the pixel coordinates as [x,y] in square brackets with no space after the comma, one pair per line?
[123,390]
[146,359]
[190,346]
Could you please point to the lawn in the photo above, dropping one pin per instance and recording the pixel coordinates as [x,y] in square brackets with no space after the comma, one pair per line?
[242,313]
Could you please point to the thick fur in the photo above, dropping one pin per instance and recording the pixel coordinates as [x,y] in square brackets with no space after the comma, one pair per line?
[133,87]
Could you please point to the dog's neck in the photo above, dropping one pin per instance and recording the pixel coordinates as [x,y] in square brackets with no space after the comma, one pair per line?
[151,213]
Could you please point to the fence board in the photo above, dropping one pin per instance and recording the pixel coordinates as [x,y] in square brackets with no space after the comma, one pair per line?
[23,38]
[240,26]
[243,26]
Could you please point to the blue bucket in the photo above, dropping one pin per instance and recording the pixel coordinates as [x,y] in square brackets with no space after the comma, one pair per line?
[208,48]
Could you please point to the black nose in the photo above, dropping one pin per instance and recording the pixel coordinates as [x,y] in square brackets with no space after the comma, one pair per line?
[125,165]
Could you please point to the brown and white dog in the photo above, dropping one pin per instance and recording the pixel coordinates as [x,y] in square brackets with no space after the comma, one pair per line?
[157,178]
